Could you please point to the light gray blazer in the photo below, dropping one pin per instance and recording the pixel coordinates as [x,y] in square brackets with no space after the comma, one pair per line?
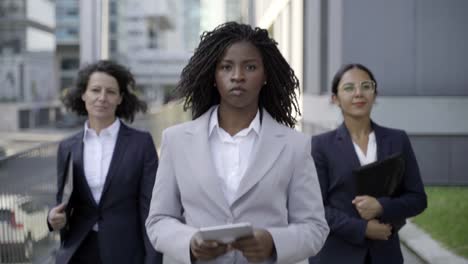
[278,192]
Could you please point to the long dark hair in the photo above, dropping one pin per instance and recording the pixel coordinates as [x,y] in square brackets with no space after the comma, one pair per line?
[130,104]
[278,96]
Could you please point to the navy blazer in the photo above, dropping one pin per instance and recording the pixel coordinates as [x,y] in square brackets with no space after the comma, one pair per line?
[124,204]
[335,158]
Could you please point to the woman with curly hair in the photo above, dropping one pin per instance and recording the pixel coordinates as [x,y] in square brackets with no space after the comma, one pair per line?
[114,168]
[238,160]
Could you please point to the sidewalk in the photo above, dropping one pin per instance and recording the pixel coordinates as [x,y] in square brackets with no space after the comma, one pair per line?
[427,248]
[409,257]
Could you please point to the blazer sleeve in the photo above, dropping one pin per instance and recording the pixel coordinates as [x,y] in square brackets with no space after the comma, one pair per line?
[307,230]
[412,200]
[351,229]
[165,227]
[150,165]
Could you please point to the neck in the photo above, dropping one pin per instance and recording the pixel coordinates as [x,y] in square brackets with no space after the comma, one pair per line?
[98,124]
[234,120]
[358,127]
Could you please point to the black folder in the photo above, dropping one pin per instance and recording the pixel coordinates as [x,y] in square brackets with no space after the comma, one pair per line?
[67,176]
[380,178]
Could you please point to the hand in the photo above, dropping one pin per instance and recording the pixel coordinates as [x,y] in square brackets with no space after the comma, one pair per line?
[378,231]
[256,248]
[368,207]
[206,250]
[57,217]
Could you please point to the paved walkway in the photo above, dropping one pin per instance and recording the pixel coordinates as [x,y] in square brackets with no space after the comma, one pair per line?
[409,257]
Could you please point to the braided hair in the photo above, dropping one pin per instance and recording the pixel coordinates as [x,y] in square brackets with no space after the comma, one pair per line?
[278,96]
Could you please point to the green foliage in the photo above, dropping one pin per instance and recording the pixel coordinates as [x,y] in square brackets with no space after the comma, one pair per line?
[446,218]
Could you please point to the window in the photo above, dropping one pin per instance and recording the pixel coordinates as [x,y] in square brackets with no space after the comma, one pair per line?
[72,31]
[152,38]
[66,82]
[72,11]
[113,27]
[70,64]
[113,8]
[5,215]
[113,45]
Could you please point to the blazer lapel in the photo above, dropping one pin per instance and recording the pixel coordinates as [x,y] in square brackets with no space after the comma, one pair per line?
[264,155]
[346,146]
[78,167]
[201,164]
[346,143]
[119,151]
[382,141]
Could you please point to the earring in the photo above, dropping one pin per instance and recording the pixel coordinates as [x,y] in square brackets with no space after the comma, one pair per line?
[214,84]
[265,83]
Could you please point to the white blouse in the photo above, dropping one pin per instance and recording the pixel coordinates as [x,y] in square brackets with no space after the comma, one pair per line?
[371,154]
[231,154]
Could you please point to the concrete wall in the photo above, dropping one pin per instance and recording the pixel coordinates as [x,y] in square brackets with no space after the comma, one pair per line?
[417,51]
[414,47]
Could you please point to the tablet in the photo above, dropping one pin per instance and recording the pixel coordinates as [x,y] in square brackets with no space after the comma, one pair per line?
[226,233]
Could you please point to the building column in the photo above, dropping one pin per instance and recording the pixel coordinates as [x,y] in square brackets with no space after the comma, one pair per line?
[94,31]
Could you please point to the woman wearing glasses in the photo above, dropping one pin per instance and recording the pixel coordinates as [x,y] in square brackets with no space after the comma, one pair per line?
[363,229]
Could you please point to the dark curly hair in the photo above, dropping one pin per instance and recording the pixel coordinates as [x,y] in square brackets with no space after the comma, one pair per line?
[278,96]
[346,67]
[130,104]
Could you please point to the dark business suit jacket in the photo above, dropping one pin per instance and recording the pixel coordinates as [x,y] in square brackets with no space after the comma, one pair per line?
[124,204]
[335,158]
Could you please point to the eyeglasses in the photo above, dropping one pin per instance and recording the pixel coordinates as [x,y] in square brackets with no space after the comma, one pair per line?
[367,87]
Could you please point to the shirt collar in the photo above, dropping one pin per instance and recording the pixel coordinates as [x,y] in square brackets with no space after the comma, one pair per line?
[254,125]
[110,131]
[372,137]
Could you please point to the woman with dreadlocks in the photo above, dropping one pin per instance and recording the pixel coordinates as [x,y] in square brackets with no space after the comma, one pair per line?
[238,160]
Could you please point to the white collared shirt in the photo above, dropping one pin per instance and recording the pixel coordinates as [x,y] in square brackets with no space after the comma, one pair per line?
[371,154]
[97,155]
[231,154]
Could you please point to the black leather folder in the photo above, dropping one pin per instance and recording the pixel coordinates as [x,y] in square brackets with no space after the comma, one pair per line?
[67,176]
[380,178]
